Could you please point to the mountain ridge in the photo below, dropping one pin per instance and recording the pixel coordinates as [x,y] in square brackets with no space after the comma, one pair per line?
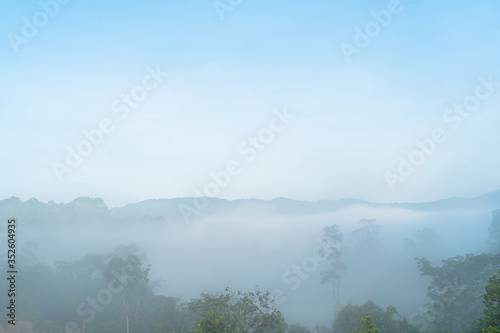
[84,210]
[481,201]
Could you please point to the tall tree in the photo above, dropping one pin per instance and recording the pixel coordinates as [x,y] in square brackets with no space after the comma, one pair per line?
[133,276]
[330,240]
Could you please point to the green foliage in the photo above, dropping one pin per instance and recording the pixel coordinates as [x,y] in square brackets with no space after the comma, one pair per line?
[491,300]
[297,328]
[252,311]
[366,324]
[491,329]
[388,321]
[457,287]
[489,322]
[213,322]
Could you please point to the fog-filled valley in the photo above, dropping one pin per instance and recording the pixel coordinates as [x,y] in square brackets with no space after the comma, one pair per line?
[281,246]
[236,166]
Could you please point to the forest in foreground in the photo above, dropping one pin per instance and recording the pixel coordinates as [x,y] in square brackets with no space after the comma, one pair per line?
[113,292]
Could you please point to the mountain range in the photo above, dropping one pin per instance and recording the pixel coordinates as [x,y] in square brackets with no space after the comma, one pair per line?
[158,211]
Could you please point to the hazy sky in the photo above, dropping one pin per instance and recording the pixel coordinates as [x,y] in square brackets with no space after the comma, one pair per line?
[359,100]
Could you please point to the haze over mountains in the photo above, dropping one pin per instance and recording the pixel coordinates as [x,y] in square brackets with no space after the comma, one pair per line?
[91,210]
[120,115]
[243,243]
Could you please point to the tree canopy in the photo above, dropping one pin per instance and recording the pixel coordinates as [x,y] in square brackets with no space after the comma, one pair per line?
[370,317]
[456,288]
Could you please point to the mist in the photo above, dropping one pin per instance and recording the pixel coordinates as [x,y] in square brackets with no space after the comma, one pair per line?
[241,247]
[233,166]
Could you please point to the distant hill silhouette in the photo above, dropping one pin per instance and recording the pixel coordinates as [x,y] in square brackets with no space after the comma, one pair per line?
[170,207]
[88,211]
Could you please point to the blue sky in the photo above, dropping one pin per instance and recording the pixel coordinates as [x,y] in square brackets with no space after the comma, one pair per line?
[352,120]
